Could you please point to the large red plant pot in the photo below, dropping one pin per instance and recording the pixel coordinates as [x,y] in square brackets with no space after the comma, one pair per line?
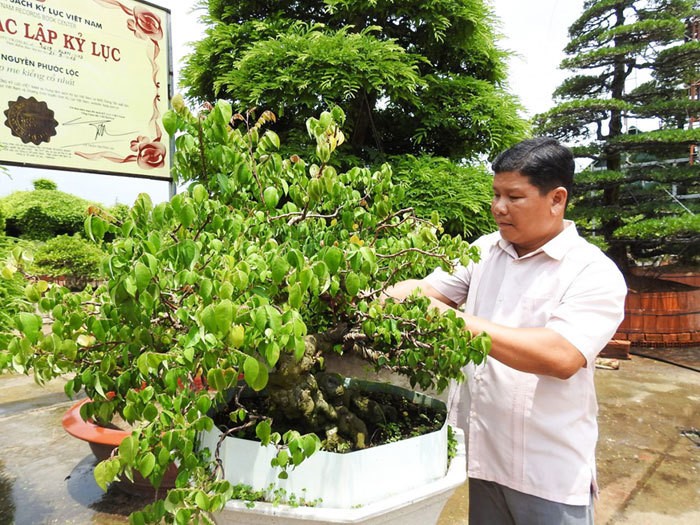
[670,318]
[103,440]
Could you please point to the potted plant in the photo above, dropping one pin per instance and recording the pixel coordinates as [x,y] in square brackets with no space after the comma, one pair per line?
[243,283]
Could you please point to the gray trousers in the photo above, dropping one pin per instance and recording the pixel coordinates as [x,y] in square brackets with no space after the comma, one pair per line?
[494,504]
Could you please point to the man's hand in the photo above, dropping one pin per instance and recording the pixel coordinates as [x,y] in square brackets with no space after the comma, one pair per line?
[403,289]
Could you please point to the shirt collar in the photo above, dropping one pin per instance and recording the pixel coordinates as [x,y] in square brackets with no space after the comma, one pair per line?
[556,248]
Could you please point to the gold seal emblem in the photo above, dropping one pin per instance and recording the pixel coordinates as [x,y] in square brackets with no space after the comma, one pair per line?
[30,120]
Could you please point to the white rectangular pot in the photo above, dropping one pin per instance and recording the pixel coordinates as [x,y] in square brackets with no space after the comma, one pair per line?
[403,482]
[419,506]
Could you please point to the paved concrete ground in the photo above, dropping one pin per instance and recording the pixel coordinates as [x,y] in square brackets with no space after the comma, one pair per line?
[648,455]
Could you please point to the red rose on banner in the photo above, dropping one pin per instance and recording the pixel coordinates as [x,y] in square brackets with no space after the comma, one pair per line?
[145,24]
[150,154]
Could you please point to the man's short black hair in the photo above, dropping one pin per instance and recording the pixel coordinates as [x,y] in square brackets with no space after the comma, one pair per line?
[546,163]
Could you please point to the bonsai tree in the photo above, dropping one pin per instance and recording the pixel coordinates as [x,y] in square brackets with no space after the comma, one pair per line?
[70,257]
[632,196]
[263,266]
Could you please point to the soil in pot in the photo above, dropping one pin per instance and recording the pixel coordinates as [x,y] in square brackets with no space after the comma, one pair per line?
[347,419]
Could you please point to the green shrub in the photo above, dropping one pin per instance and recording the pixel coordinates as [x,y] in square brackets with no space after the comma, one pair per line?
[42,214]
[460,194]
[74,258]
[120,212]
[44,184]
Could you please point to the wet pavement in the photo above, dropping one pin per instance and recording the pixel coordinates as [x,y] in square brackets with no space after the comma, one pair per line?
[648,454]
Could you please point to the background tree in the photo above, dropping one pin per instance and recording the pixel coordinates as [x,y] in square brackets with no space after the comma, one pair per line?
[632,193]
[418,78]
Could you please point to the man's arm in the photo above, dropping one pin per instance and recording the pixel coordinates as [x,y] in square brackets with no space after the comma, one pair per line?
[533,350]
[403,289]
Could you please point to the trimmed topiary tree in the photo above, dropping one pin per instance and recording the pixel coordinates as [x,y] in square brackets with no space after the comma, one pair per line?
[636,197]
[70,257]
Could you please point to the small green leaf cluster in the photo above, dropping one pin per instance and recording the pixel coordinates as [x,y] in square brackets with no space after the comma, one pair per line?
[44,184]
[12,287]
[687,226]
[212,289]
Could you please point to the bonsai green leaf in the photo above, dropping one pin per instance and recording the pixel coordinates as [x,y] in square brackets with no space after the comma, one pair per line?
[279,268]
[149,362]
[333,257]
[203,404]
[128,449]
[202,500]
[170,123]
[352,283]
[183,517]
[271,351]
[215,379]
[95,228]
[255,374]
[187,251]
[260,319]
[281,459]
[263,431]
[271,197]
[146,464]
[143,276]
[199,193]
[106,472]
[209,318]
[29,325]
[237,336]
[223,314]
[295,295]
[310,443]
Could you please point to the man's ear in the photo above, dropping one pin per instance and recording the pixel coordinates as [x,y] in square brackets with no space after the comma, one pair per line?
[558,196]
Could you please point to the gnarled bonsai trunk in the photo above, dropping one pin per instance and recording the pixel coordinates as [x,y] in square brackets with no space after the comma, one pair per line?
[302,396]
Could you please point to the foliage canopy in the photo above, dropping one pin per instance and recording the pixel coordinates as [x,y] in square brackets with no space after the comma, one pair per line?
[414,78]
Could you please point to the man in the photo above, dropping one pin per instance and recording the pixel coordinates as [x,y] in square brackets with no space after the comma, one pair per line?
[550,302]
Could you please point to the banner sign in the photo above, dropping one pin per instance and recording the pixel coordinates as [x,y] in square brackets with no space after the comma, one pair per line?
[84,85]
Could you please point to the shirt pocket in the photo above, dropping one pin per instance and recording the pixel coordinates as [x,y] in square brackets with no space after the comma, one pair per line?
[537,310]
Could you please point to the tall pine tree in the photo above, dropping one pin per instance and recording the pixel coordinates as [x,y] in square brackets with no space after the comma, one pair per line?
[420,80]
[629,110]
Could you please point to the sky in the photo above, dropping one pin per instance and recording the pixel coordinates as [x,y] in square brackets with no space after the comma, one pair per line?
[536,32]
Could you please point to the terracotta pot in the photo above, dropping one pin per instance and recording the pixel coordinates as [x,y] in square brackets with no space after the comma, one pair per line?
[668,318]
[103,441]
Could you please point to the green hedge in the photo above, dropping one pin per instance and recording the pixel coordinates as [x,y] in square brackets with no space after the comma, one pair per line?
[42,214]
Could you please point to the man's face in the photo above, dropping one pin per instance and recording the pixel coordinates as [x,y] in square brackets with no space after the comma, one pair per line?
[525,217]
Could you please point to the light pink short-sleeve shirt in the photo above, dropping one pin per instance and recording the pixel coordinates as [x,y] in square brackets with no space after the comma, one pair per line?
[534,433]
